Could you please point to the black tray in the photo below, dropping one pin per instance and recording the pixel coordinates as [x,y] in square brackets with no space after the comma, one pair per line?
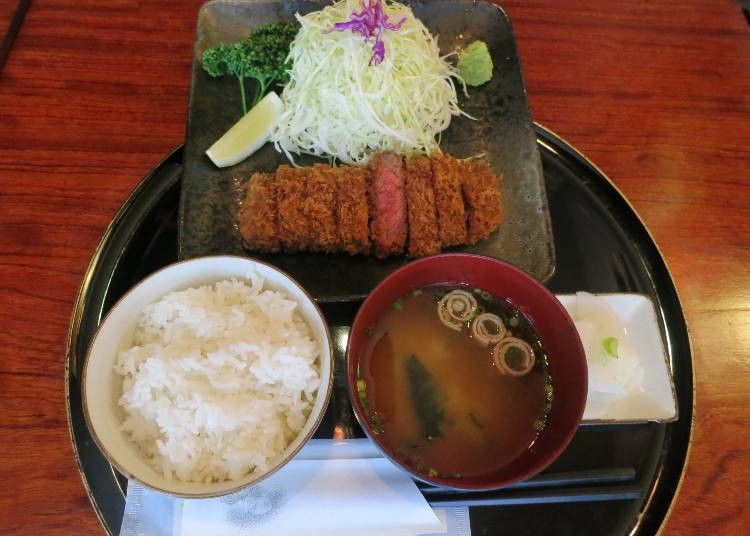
[592,221]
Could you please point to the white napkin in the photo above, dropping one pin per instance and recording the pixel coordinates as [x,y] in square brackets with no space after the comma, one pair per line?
[330,488]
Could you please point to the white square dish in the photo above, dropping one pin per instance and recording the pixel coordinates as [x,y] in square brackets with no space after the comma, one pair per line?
[653,397]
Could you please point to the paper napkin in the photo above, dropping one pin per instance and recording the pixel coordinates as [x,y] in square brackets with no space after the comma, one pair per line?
[331,488]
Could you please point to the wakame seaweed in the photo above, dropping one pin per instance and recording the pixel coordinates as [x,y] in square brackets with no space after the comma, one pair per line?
[424,397]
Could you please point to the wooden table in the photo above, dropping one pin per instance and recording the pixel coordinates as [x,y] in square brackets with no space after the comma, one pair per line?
[657,93]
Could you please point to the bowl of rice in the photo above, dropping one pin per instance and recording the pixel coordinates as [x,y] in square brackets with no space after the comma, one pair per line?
[208,376]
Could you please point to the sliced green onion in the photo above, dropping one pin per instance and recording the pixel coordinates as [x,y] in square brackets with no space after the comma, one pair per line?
[610,346]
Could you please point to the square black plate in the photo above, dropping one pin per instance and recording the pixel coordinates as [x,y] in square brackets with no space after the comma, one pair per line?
[211,197]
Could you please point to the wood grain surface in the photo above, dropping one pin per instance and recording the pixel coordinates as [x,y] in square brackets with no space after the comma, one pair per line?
[657,93]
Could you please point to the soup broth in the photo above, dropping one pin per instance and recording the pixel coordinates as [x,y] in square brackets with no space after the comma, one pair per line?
[436,395]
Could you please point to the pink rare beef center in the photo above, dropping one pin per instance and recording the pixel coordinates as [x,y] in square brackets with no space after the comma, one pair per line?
[389,202]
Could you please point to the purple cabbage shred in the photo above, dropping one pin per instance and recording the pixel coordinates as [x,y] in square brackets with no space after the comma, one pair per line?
[370,22]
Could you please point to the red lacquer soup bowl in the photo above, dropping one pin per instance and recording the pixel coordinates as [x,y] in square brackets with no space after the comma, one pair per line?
[562,346]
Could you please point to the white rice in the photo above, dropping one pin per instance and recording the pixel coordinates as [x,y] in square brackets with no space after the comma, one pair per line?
[219,380]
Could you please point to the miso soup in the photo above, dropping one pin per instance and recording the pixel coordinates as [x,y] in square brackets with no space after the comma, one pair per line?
[454,381]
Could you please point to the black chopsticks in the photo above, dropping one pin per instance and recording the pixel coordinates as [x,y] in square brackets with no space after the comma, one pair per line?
[574,486]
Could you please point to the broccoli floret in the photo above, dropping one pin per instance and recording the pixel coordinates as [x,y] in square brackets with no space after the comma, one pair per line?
[475,64]
[261,56]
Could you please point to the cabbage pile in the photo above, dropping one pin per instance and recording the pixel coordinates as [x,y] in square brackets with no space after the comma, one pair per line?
[341,104]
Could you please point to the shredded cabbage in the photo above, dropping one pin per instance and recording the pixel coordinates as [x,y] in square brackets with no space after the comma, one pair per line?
[336,105]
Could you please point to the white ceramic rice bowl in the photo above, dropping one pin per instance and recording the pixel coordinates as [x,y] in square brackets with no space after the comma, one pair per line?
[102,386]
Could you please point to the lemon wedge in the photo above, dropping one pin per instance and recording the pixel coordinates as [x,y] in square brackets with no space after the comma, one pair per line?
[248,134]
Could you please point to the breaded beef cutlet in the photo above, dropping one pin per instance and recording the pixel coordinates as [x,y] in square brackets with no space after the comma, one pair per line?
[351,209]
[481,190]
[448,200]
[388,223]
[294,226]
[420,204]
[320,209]
[432,203]
[259,222]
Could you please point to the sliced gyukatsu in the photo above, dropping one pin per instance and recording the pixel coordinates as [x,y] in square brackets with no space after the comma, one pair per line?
[352,215]
[456,308]
[513,357]
[482,199]
[388,225]
[327,209]
[420,204]
[320,209]
[487,328]
[449,202]
[259,221]
[294,225]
